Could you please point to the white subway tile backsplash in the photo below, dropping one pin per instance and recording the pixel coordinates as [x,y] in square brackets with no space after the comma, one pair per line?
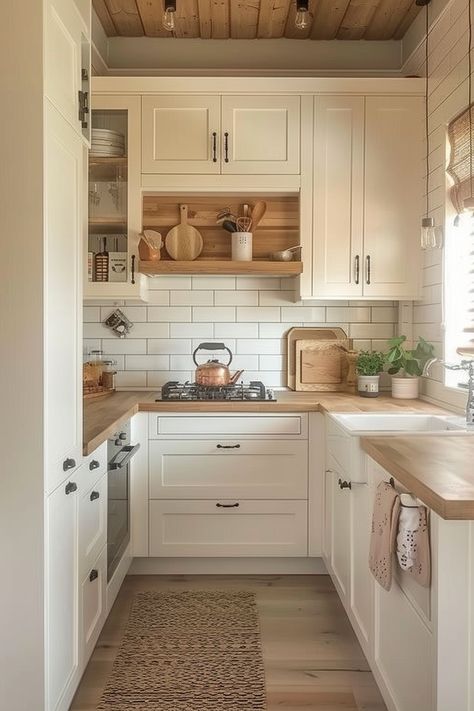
[213,282]
[306,314]
[259,313]
[235,330]
[192,330]
[169,313]
[236,298]
[214,313]
[251,315]
[277,298]
[147,362]
[192,298]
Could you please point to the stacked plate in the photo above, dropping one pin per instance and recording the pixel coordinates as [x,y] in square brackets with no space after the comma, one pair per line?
[107,143]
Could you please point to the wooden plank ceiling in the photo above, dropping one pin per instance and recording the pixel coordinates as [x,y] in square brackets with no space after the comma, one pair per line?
[262,19]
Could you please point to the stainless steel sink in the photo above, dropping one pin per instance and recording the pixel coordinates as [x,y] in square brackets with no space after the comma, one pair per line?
[409,423]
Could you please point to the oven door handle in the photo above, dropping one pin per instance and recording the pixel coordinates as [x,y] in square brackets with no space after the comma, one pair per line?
[131,451]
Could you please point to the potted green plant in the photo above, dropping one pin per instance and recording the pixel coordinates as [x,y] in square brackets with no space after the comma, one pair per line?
[406,365]
[369,365]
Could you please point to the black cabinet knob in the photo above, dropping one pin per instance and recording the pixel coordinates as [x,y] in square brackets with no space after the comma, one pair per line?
[70,487]
[94,464]
[93,575]
[69,464]
[94,495]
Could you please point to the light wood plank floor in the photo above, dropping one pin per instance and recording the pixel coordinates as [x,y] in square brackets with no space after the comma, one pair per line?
[312,657]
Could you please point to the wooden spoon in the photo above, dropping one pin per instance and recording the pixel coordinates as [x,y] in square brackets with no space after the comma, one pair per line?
[258,212]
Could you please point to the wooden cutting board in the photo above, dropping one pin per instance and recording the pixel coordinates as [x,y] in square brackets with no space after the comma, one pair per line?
[306,332]
[322,366]
[184,242]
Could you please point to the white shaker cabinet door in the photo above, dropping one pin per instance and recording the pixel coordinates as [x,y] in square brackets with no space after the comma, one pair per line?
[62,596]
[260,135]
[340,535]
[63,298]
[180,134]
[393,192]
[338,195]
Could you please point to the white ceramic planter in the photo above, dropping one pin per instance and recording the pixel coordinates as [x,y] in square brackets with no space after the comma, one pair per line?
[405,388]
[368,385]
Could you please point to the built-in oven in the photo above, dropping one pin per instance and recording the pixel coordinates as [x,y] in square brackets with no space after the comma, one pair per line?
[119,454]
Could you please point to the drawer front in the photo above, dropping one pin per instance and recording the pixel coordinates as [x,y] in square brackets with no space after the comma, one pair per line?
[245,528]
[93,468]
[242,425]
[92,524]
[241,469]
[93,611]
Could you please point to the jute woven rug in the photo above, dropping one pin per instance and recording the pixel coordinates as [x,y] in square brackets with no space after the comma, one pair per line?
[189,651]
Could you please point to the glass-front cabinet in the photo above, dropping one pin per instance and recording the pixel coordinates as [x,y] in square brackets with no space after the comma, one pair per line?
[114,215]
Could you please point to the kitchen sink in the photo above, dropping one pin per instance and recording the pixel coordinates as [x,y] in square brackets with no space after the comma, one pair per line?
[409,423]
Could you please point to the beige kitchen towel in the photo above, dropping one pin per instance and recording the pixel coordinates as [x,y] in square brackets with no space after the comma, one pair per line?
[413,543]
[384,531]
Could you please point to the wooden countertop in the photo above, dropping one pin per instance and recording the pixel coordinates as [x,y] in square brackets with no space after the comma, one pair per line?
[103,416]
[438,470]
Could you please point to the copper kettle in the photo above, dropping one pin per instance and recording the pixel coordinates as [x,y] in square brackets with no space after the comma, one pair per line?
[213,373]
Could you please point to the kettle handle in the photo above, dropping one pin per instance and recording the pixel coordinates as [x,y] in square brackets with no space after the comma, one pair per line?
[212,347]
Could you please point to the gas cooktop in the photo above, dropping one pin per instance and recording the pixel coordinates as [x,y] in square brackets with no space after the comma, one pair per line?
[255,390]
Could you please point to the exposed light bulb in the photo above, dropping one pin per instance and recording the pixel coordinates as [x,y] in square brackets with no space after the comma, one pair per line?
[303,16]
[428,233]
[168,16]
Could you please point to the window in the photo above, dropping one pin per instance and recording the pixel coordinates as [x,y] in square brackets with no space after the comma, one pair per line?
[459,253]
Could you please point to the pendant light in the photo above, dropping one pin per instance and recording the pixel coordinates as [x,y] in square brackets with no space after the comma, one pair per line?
[430,236]
[168,15]
[303,16]
[469,201]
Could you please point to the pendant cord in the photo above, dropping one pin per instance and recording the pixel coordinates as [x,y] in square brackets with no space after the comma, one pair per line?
[471,140]
[427,120]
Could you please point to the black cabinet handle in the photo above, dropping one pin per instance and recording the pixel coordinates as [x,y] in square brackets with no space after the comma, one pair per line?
[357,269]
[83,107]
[94,464]
[70,487]
[228,446]
[214,147]
[69,464]
[344,484]
[133,269]
[367,259]
[226,147]
[228,506]
[93,575]
[94,495]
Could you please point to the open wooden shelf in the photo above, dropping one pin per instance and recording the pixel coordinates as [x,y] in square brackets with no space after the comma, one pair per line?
[221,266]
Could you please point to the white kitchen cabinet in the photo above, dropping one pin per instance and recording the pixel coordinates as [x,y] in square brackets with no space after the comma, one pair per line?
[93,605]
[393,192]
[367,197]
[260,135]
[67,61]
[64,207]
[241,469]
[115,202]
[181,134]
[228,528]
[361,581]
[338,207]
[61,589]
[242,425]
[212,134]
[92,524]
[340,534]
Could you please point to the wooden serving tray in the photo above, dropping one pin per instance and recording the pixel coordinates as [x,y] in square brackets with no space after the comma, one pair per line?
[322,366]
[314,333]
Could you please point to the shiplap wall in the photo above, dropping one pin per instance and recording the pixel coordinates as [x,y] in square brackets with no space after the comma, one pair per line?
[249,314]
[448,95]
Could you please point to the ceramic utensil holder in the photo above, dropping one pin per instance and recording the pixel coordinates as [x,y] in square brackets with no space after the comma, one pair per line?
[242,246]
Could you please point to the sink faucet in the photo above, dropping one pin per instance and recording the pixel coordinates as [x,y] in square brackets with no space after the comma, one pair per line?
[467,365]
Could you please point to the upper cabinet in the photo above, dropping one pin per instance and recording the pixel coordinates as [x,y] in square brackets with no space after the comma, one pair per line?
[366,197]
[67,60]
[210,134]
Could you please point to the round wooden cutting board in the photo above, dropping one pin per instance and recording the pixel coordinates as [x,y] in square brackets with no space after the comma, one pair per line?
[184,242]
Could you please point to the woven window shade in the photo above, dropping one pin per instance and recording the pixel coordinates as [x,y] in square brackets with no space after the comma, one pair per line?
[459,168]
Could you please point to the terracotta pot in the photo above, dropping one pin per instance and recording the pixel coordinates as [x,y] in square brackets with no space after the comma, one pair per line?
[405,388]
[368,385]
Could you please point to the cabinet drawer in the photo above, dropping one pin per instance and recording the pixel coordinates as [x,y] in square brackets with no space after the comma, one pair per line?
[241,469]
[92,524]
[245,528]
[93,604]
[229,425]
[93,467]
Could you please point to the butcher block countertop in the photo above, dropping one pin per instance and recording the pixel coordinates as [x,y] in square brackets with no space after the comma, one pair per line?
[437,470]
[103,416]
